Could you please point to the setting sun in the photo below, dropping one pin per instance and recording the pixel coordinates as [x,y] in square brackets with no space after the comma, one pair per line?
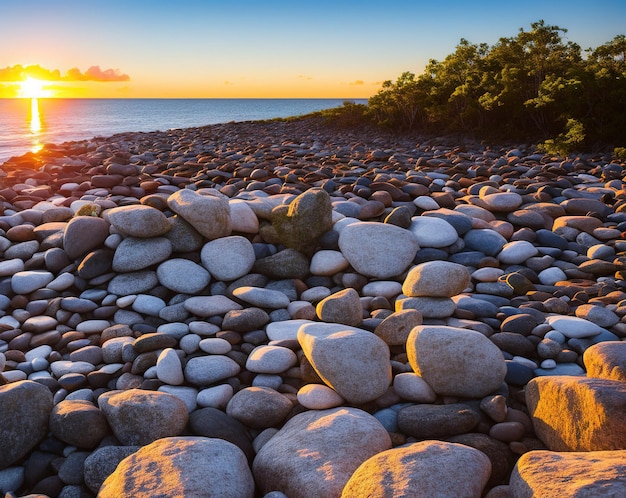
[32,88]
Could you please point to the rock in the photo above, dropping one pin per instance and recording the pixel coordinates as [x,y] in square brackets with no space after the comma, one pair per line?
[593,474]
[577,413]
[601,316]
[127,284]
[182,275]
[78,423]
[214,423]
[426,468]
[169,368]
[102,462]
[138,221]
[287,263]
[328,263]
[395,329]
[606,360]
[516,252]
[456,362]
[341,307]
[259,407]
[204,306]
[501,457]
[378,249]
[412,387]
[138,417]
[245,320]
[208,214]
[25,406]
[353,362]
[183,236]
[270,359]
[135,254]
[425,421]
[242,217]
[323,469]
[300,224]
[433,232]
[207,370]
[428,307]
[485,240]
[182,466]
[502,201]
[25,282]
[319,397]
[228,258]
[436,279]
[261,297]
[574,327]
[83,234]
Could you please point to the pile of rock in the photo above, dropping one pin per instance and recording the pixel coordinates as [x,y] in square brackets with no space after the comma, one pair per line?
[232,311]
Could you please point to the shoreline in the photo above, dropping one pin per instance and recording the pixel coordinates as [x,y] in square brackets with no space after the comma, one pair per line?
[390,279]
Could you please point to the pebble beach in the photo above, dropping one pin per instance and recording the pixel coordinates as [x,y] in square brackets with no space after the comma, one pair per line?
[287,309]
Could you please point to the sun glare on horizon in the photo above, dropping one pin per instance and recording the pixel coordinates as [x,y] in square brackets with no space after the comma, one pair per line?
[32,88]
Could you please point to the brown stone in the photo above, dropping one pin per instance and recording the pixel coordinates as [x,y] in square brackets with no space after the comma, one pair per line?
[606,360]
[578,413]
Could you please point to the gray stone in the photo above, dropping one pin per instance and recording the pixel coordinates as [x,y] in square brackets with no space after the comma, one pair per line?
[138,221]
[135,254]
[323,469]
[208,214]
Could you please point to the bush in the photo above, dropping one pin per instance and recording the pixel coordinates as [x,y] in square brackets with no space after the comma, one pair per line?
[565,143]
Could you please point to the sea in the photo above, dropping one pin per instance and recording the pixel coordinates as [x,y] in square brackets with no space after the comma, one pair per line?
[28,124]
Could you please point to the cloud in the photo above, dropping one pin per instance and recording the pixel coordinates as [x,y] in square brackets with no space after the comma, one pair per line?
[357,82]
[94,73]
[305,77]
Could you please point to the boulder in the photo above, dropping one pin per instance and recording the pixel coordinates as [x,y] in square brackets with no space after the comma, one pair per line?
[354,362]
[139,417]
[425,469]
[182,466]
[302,222]
[606,360]
[209,214]
[316,452]
[455,361]
[25,407]
[378,250]
[578,413]
[593,474]
[436,279]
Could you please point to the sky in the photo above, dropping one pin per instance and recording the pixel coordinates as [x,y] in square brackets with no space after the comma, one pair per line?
[261,48]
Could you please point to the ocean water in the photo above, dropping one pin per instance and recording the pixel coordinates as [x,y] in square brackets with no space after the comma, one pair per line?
[27,124]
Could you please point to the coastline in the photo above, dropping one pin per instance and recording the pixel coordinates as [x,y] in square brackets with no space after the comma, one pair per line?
[527,254]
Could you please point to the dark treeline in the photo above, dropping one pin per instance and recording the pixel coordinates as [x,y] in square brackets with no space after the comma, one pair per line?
[533,86]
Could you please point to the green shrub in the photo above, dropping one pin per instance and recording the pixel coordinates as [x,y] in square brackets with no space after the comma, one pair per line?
[565,143]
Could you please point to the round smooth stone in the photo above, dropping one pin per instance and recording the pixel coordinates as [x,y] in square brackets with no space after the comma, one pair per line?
[215,345]
[574,327]
[328,263]
[318,397]
[433,232]
[169,368]
[551,276]
[263,298]
[215,397]
[515,253]
[271,359]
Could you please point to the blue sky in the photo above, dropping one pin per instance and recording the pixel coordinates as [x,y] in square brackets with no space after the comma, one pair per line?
[234,48]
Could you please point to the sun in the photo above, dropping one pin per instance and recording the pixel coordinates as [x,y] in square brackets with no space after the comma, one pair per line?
[32,88]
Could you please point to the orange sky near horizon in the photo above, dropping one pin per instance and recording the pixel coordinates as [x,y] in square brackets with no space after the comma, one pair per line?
[249,49]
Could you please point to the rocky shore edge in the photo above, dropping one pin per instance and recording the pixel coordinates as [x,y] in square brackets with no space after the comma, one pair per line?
[283,308]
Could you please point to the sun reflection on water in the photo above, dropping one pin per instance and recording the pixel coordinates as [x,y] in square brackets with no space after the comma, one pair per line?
[35,125]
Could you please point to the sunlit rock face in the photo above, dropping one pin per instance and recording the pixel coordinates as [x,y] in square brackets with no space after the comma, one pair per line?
[316,452]
[427,468]
[182,466]
[591,474]
[606,360]
[578,413]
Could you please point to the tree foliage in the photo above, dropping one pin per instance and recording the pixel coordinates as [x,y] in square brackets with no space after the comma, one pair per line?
[534,85]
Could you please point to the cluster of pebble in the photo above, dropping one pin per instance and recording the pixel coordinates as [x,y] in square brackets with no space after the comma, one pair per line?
[283,309]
